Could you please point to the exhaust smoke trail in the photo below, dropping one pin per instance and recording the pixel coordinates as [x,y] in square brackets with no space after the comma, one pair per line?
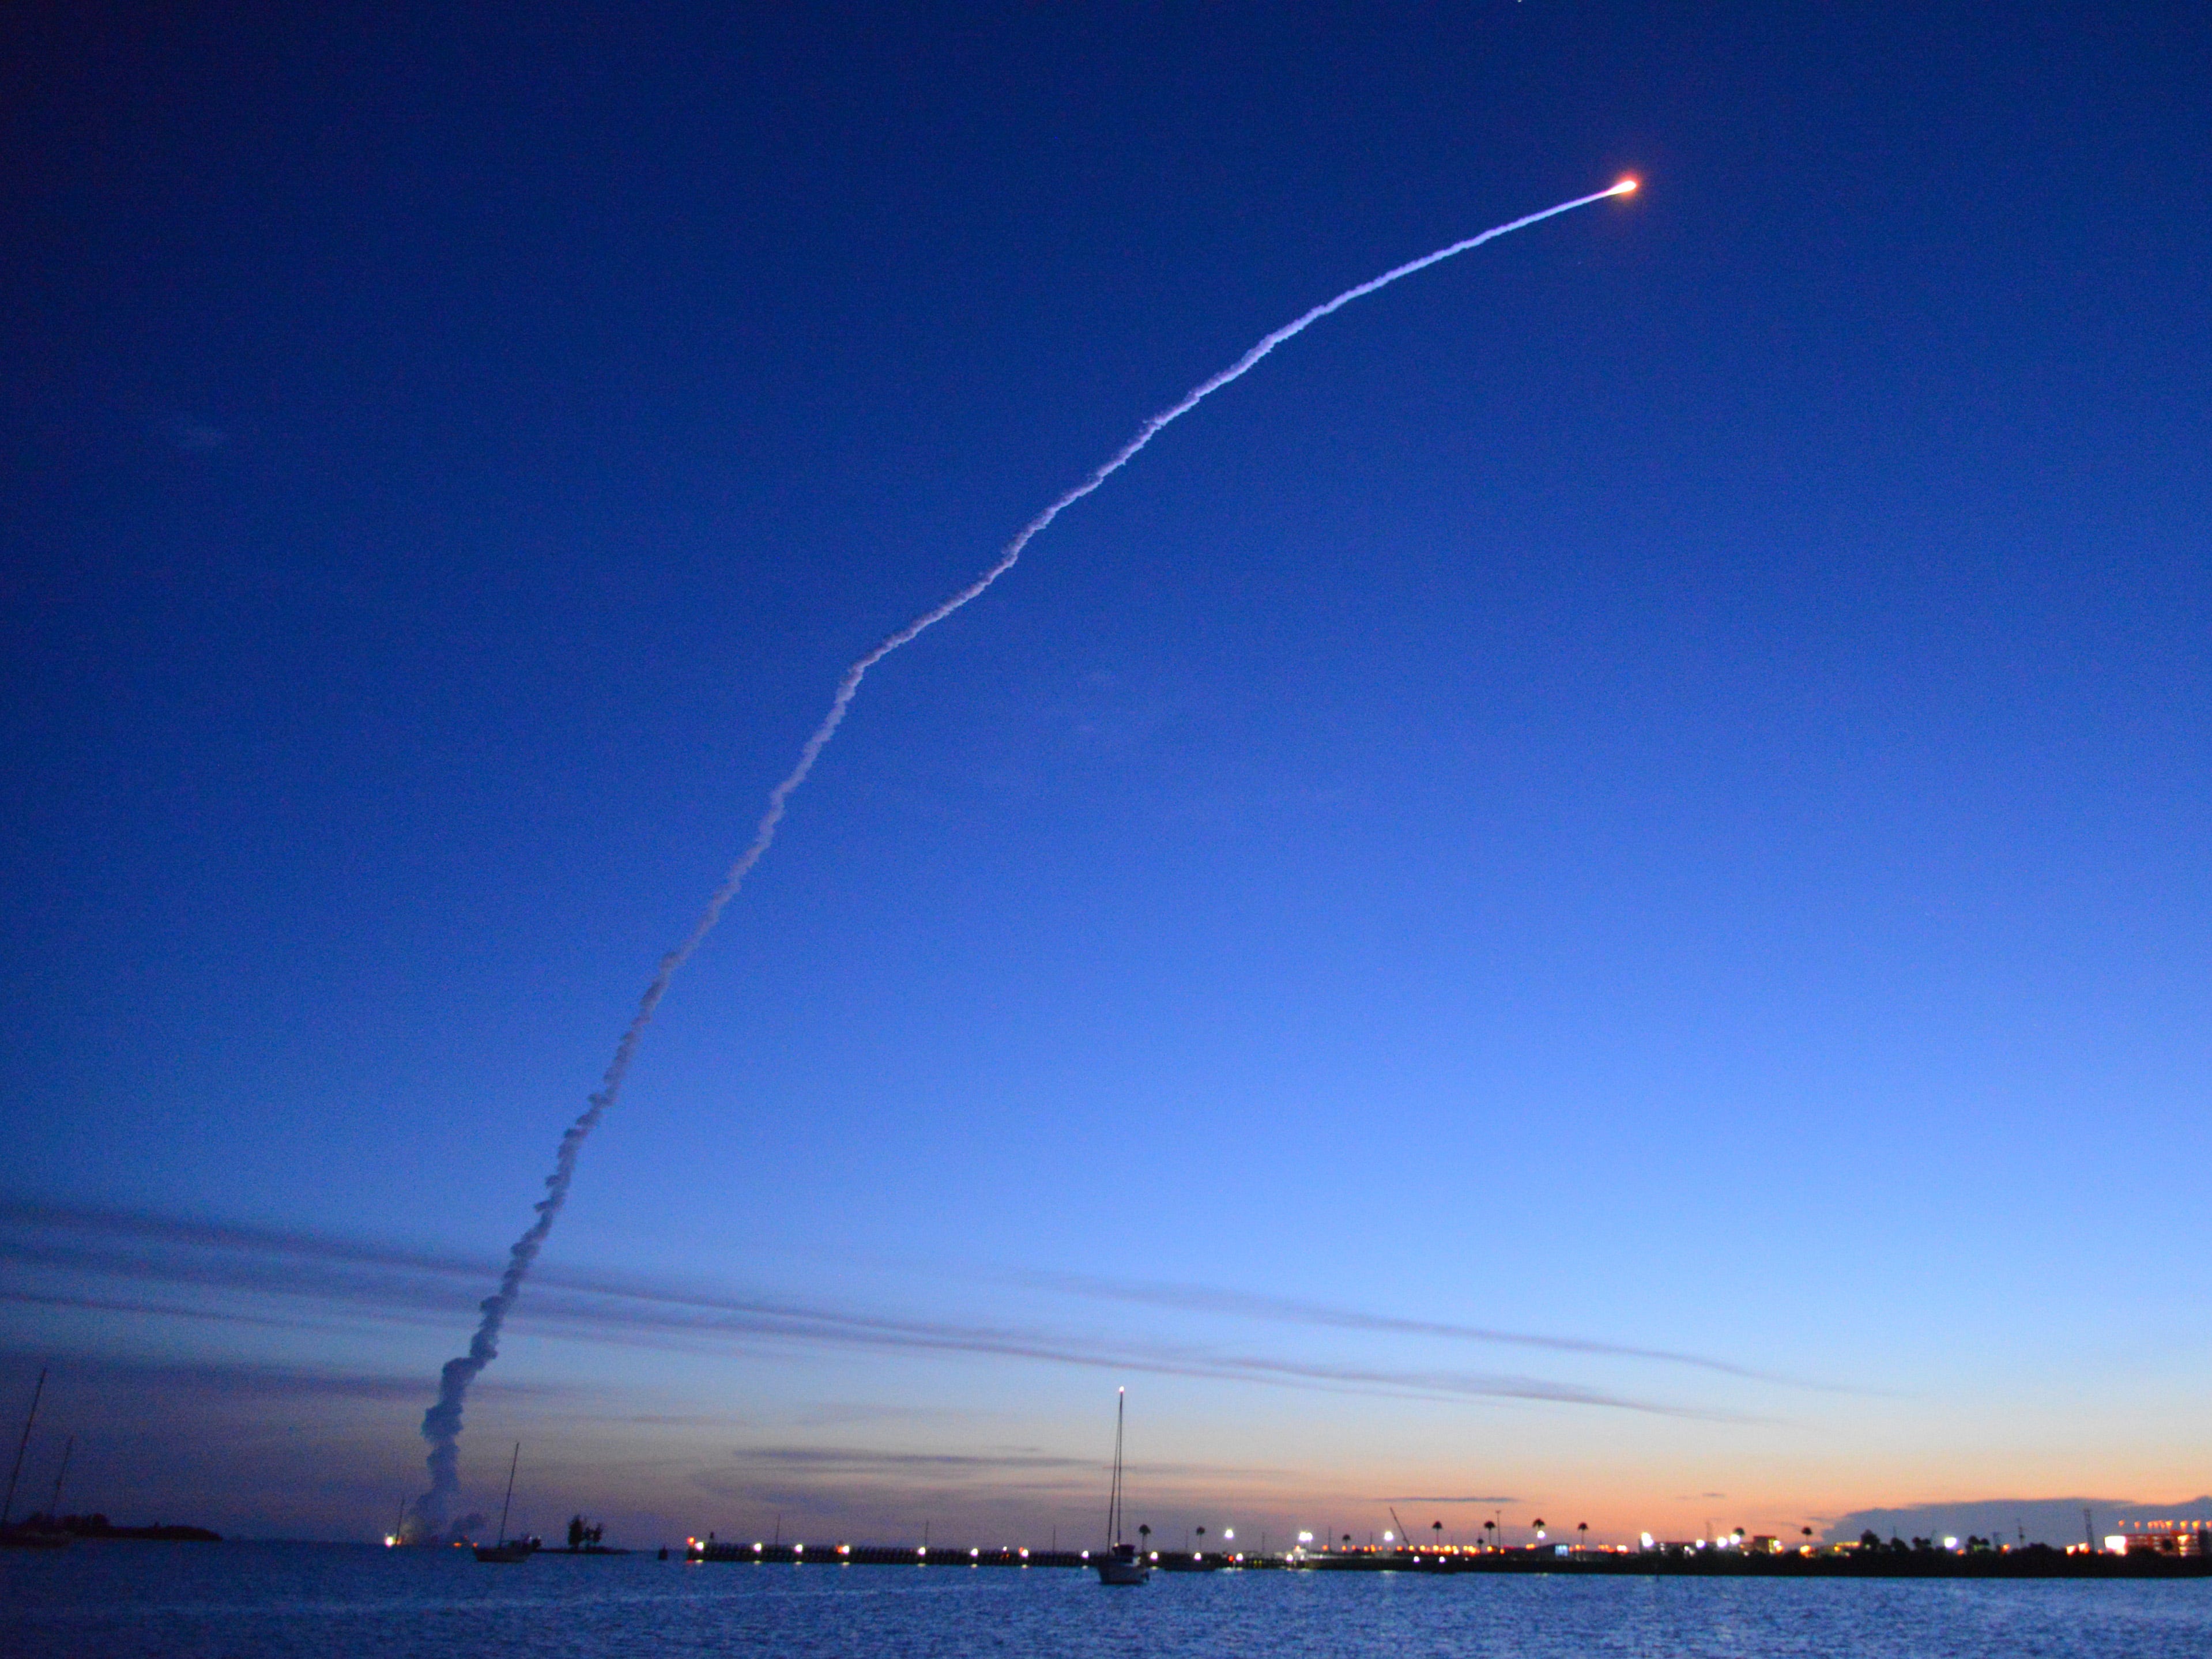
[441,1423]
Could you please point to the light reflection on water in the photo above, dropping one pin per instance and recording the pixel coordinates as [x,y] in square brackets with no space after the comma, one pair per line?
[122,1600]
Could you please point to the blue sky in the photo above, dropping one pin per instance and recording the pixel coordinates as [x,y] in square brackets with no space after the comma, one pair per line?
[1645,786]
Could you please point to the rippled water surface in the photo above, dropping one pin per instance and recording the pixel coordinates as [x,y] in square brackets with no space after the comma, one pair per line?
[238,1600]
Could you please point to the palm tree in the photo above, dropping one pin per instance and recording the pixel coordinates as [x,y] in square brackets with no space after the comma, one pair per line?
[1145,1534]
[1582,1527]
[1201,1540]
[1490,1526]
[1437,1527]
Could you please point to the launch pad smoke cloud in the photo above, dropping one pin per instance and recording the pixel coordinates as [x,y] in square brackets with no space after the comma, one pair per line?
[441,1423]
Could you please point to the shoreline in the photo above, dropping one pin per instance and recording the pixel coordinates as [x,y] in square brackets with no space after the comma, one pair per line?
[2035,1561]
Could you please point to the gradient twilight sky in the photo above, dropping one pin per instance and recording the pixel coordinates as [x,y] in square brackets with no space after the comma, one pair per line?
[1646,787]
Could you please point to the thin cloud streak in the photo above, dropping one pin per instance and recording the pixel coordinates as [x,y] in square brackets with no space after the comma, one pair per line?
[144,1309]
[103,1221]
[160,1383]
[410,1286]
[869,1459]
[1286,1310]
[863,1483]
[866,1458]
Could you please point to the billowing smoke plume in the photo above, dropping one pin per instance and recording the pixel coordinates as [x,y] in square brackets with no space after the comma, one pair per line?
[441,1423]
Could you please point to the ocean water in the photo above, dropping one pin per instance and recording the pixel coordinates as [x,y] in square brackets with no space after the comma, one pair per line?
[120,1601]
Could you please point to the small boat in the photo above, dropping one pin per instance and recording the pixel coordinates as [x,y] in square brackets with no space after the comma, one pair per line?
[1122,1564]
[43,1532]
[522,1548]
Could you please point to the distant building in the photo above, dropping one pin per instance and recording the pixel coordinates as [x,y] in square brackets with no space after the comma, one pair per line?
[2164,1537]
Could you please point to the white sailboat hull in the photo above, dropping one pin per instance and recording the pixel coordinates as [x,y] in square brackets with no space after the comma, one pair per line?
[1111,1571]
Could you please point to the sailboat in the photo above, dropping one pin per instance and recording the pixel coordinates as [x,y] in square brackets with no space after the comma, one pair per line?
[31,1535]
[1121,1565]
[520,1549]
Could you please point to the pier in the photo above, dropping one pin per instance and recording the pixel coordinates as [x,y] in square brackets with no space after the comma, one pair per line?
[2034,1561]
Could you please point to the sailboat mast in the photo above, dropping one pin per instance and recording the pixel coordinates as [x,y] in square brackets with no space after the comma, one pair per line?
[54,1504]
[1114,1503]
[509,1499]
[8,1507]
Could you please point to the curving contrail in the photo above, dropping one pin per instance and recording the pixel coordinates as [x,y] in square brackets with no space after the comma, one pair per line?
[441,1423]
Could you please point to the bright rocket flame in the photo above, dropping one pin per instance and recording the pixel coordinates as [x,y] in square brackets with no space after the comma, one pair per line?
[1626,187]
